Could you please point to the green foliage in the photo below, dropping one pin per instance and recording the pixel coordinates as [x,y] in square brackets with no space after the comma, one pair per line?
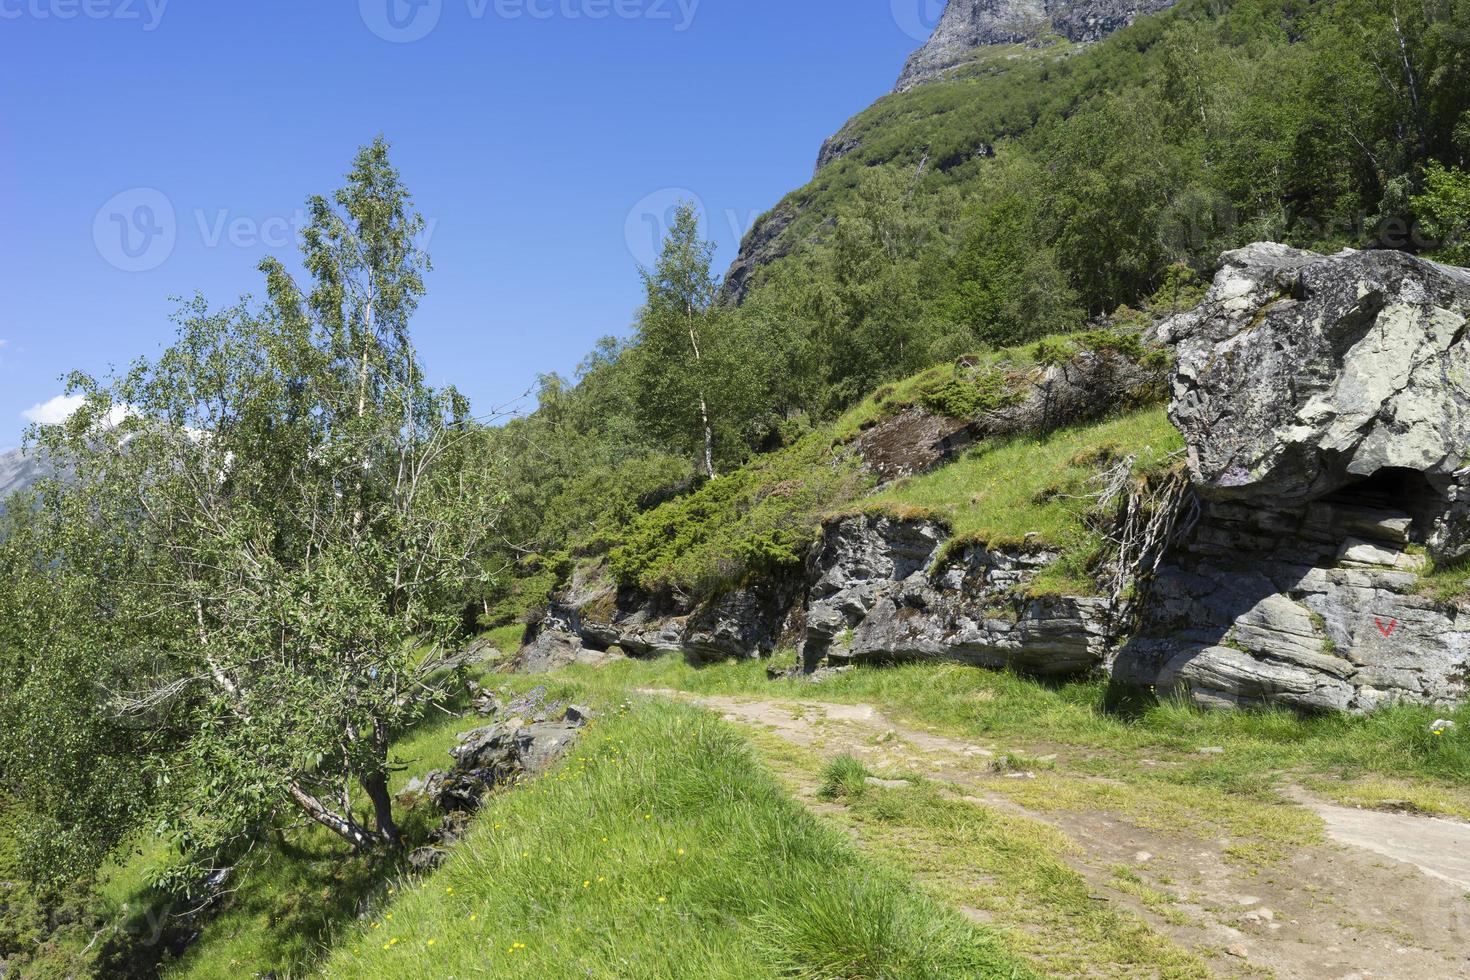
[517,599]
[265,531]
[1032,492]
[965,392]
[1444,209]
[676,368]
[1181,289]
[1198,129]
[757,520]
[1447,581]
[844,776]
[1007,284]
[1111,342]
[43,931]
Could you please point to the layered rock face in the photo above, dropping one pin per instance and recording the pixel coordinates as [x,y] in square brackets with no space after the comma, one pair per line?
[592,616]
[969,24]
[882,590]
[1325,405]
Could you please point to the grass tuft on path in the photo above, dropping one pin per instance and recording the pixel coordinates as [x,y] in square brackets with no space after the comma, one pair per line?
[662,849]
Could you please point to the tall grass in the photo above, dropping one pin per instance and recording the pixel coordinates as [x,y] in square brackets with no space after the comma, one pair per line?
[662,849]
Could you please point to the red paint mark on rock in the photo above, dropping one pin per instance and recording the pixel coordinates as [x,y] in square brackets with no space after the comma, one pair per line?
[1387,631]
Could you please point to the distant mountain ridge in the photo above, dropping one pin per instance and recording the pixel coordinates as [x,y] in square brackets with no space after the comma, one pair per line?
[970,24]
[19,470]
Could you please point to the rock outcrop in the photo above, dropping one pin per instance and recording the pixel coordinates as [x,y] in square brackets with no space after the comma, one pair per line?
[1301,375]
[1325,404]
[884,590]
[530,737]
[970,24]
[1086,386]
[595,615]
[763,244]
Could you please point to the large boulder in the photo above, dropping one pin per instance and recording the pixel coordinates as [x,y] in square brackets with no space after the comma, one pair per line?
[1324,403]
[1302,374]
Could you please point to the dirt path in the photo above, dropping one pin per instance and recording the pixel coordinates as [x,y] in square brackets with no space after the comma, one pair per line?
[1439,848]
[1388,897]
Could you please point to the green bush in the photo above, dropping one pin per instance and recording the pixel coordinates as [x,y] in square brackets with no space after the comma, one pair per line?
[759,519]
[965,394]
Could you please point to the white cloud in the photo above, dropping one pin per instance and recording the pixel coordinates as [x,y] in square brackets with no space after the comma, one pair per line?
[54,412]
[60,408]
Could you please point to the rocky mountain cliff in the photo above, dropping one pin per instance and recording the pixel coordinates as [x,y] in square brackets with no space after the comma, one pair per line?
[1325,405]
[970,24]
[19,470]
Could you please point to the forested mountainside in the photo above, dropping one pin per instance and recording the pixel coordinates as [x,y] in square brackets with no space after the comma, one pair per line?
[1201,128]
[1121,345]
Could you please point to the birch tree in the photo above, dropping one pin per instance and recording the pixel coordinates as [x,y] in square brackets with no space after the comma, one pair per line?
[678,369]
[274,527]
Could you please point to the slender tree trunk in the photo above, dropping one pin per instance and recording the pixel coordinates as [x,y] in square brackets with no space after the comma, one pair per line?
[709,435]
[362,391]
[375,784]
[376,787]
[343,826]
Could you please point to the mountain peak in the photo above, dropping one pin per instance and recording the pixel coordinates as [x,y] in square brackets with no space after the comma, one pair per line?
[970,24]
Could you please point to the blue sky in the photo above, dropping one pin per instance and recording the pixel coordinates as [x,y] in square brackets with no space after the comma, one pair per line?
[542,139]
